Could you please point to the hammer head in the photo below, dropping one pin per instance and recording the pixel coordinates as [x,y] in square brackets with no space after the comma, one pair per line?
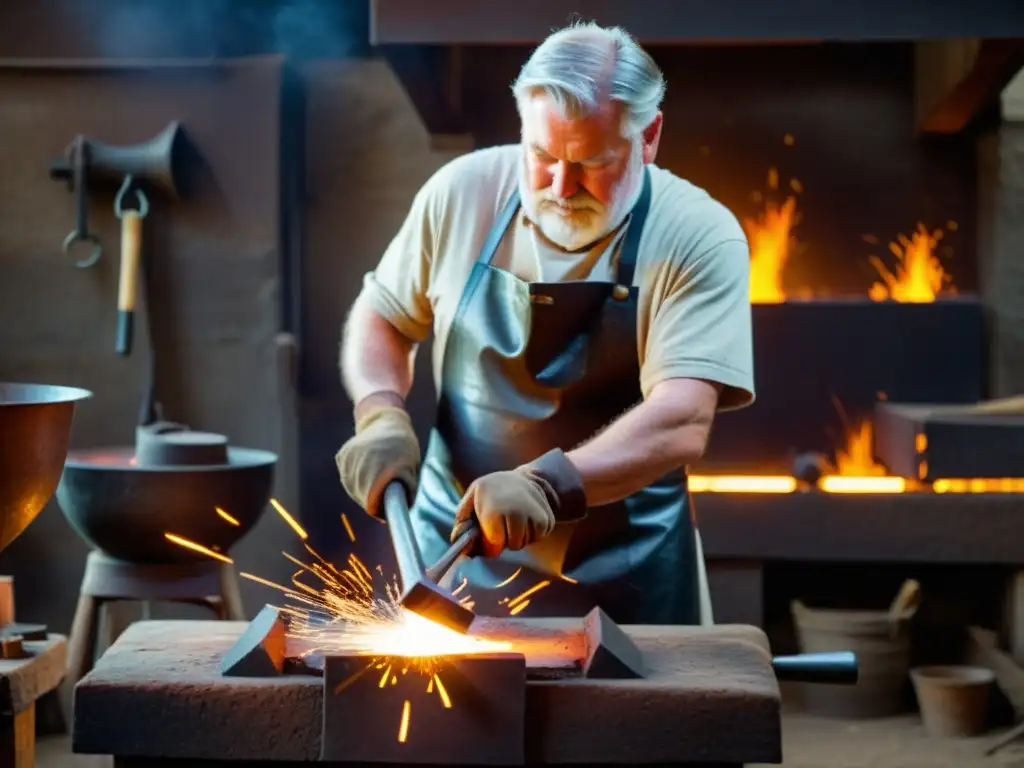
[431,602]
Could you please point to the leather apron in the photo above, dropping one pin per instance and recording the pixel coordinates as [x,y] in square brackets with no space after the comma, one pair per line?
[530,367]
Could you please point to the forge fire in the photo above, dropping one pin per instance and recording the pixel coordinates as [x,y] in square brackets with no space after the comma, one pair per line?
[912,273]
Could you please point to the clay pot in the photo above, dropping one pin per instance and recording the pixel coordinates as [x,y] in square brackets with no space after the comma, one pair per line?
[953,699]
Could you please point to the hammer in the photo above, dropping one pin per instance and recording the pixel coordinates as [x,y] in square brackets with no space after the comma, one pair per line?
[421,594]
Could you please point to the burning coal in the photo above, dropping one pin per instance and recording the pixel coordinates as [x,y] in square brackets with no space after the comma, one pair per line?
[355,610]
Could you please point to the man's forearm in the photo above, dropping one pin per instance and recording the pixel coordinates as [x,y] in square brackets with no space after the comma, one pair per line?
[666,432]
[375,358]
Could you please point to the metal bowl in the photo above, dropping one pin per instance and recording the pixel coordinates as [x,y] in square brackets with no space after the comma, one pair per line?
[35,427]
[124,510]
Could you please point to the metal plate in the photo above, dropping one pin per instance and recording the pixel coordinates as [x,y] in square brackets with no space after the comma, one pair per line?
[468,710]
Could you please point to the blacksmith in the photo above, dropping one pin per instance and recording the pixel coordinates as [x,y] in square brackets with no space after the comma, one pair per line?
[590,314]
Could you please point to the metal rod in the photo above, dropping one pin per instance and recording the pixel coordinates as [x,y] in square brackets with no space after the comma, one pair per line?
[838,668]
[407,553]
[466,539]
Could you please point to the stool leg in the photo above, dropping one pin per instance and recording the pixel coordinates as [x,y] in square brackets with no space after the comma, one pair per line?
[114,618]
[81,646]
[233,607]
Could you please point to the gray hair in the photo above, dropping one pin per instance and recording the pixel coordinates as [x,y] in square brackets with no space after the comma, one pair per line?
[583,64]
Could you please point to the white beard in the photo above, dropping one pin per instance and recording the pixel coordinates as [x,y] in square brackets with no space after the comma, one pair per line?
[581,220]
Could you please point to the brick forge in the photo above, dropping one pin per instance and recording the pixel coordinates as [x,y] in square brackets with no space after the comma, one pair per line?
[707,696]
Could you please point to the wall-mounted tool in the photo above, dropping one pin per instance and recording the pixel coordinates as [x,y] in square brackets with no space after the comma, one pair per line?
[153,166]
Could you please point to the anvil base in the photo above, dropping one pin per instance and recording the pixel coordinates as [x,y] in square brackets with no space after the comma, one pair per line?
[156,698]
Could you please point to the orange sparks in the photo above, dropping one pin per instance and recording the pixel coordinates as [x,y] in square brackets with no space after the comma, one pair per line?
[226,516]
[289,519]
[346,613]
[516,609]
[442,692]
[352,678]
[403,726]
[462,586]
[919,276]
[197,548]
[510,579]
[523,595]
[348,527]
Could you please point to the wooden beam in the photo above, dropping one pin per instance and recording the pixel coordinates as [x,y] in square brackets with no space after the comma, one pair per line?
[956,79]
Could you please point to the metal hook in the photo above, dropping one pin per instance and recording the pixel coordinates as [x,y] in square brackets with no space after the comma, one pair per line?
[84,237]
[140,197]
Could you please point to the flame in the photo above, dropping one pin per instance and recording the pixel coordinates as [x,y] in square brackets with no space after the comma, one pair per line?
[858,456]
[919,276]
[771,242]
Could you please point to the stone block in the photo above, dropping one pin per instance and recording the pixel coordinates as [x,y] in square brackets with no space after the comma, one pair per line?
[465,710]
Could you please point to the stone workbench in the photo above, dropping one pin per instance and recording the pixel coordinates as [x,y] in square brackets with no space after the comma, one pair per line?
[710,697]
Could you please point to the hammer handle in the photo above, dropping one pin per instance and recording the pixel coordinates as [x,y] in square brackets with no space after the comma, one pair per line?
[407,553]
[466,539]
[128,284]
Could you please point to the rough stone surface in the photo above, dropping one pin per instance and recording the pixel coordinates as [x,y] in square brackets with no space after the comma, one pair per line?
[24,681]
[1001,252]
[470,710]
[709,696]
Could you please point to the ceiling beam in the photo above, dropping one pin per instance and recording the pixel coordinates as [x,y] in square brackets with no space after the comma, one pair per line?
[956,79]
[526,22]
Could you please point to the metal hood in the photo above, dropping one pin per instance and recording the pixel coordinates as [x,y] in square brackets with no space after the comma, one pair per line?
[427,42]
[661,22]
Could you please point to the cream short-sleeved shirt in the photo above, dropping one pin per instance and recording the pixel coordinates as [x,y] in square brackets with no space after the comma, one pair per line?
[693,266]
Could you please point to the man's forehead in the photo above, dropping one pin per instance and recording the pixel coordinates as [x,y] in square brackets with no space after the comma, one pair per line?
[546,127]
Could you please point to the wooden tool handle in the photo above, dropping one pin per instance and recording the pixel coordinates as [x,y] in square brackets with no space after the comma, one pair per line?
[128,286]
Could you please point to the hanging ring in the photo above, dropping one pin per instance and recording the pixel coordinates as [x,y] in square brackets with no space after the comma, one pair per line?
[84,237]
[140,197]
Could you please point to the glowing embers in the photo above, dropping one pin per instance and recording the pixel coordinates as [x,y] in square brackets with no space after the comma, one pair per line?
[469,711]
[856,471]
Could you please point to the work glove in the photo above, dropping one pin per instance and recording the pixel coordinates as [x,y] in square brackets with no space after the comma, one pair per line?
[520,506]
[384,448]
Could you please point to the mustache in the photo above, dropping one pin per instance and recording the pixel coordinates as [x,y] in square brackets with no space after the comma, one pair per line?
[578,202]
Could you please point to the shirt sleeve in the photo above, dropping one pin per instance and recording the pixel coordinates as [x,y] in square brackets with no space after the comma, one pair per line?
[399,287]
[701,325]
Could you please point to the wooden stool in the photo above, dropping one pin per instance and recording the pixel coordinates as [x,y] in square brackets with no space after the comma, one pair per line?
[208,583]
